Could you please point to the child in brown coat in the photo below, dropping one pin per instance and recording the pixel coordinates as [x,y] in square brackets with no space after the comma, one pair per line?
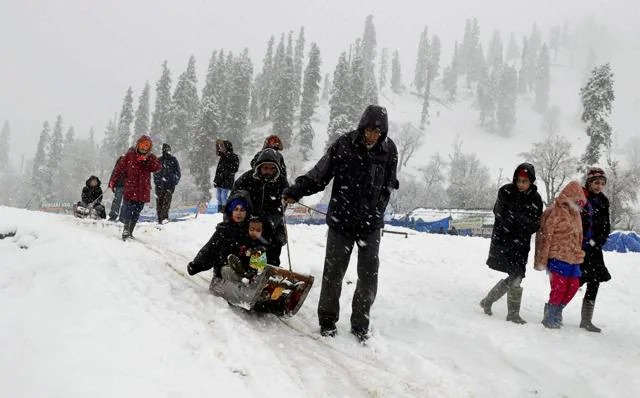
[559,250]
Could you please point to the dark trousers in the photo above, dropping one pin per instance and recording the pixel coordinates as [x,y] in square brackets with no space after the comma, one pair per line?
[131,210]
[163,203]
[115,205]
[339,248]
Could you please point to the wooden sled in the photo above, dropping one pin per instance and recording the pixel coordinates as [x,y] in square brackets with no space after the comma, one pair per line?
[275,290]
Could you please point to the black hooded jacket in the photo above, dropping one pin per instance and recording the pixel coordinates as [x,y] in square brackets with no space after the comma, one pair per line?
[227,167]
[227,239]
[596,226]
[265,193]
[92,195]
[363,179]
[169,176]
[517,217]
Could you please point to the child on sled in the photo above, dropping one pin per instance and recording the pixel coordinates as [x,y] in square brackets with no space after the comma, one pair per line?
[252,255]
[91,205]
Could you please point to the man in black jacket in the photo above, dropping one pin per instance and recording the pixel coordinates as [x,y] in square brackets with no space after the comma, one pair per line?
[363,165]
[166,180]
[265,184]
[225,172]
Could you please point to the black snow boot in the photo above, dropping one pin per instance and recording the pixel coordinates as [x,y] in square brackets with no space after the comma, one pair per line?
[361,334]
[587,314]
[328,330]
[514,299]
[126,233]
[494,295]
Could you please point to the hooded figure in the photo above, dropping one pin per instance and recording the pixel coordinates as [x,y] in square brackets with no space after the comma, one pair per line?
[226,240]
[273,142]
[165,181]
[362,164]
[92,196]
[225,171]
[595,229]
[559,250]
[265,184]
[517,216]
[135,167]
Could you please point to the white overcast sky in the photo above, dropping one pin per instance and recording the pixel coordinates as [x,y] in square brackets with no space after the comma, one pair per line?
[77,57]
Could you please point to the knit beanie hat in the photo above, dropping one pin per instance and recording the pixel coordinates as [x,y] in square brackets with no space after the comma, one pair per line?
[594,173]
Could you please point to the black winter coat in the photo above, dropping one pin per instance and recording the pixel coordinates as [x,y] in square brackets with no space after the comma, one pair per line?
[92,195]
[227,239]
[598,226]
[266,194]
[363,179]
[169,176]
[227,167]
[517,217]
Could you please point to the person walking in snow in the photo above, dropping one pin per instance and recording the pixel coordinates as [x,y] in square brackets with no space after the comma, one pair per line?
[559,250]
[225,172]
[274,142]
[265,184]
[595,227]
[363,165]
[226,239]
[136,166]
[115,213]
[517,216]
[165,181]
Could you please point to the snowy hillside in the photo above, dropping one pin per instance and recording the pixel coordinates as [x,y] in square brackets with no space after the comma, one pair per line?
[85,314]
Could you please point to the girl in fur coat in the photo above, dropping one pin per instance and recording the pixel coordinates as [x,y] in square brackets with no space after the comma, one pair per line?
[559,250]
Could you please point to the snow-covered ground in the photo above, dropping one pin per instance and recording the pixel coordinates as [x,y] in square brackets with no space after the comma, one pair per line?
[84,314]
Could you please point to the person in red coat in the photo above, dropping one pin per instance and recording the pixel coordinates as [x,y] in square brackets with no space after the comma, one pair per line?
[136,167]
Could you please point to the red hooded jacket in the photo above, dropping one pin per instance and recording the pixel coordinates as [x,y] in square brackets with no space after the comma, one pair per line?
[136,169]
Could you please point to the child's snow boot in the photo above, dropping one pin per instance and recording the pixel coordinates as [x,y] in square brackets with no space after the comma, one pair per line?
[550,320]
[514,299]
[494,295]
[587,314]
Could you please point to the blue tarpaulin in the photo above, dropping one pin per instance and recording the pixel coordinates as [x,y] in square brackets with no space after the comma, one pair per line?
[622,242]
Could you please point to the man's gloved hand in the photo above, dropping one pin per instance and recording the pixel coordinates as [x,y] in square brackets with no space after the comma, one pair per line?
[191,269]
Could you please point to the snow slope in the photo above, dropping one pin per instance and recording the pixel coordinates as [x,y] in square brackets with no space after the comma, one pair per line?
[85,314]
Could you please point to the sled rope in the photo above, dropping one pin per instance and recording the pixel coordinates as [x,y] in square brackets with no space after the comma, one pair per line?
[286,235]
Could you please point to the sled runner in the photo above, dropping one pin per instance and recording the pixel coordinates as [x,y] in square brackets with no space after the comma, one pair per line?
[275,290]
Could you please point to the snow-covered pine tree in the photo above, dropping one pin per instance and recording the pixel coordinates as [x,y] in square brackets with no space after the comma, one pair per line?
[338,126]
[238,101]
[450,75]
[161,121]
[185,104]
[543,80]
[279,61]
[597,97]
[384,68]
[396,74]
[311,88]
[424,118]
[202,155]
[123,137]
[370,93]
[254,103]
[526,77]
[535,40]
[266,80]
[420,73]
[141,124]
[476,61]
[54,158]
[207,90]
[487,97]
[298,61]
[340,101]
[465,48]
[506,107]
[73,169]
[284,103]
[5,138]
[434,57]
[326,88]
[494,53]
[357,83]
[513,53]
[41,177]
[108,153]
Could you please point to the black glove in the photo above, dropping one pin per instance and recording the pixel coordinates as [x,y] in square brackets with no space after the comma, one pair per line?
[191,269]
